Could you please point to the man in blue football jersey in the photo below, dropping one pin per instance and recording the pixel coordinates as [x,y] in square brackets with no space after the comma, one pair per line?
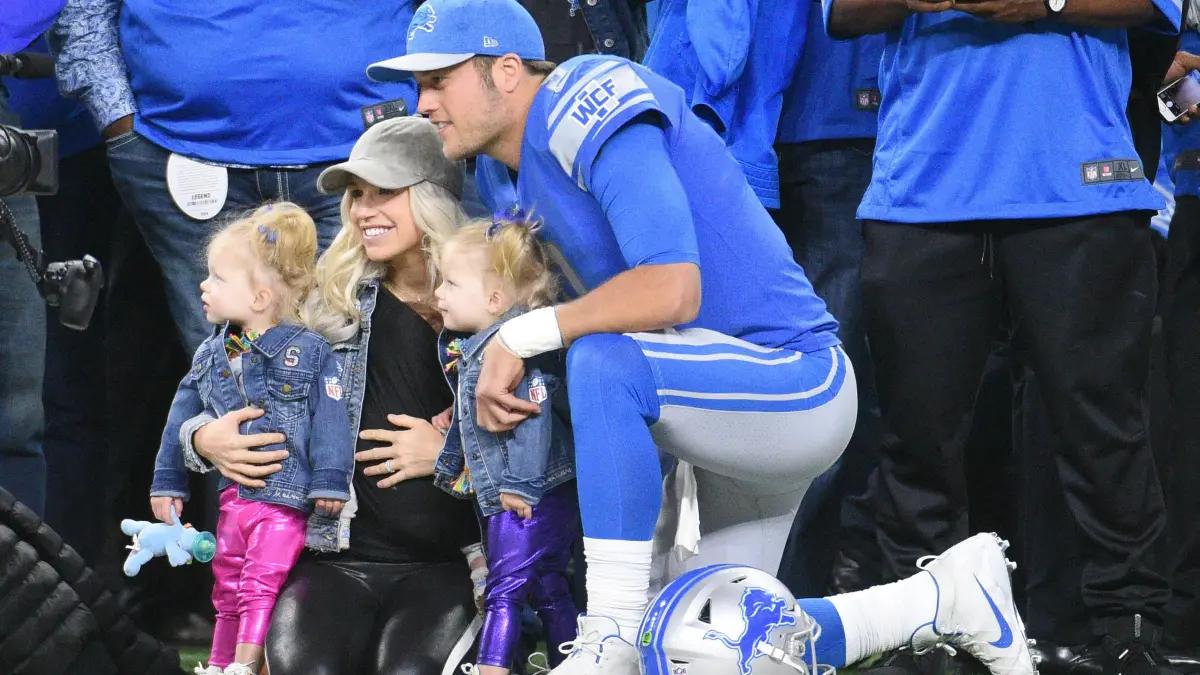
[1006,191]
[693,332]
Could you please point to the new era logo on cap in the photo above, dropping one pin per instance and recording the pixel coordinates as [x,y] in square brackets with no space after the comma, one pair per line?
[490,42]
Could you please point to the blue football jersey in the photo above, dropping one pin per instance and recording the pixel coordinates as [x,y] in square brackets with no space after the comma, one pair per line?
[751,287]
[983,120]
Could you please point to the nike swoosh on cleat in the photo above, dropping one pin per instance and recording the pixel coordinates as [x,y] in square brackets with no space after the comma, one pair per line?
[1006,637]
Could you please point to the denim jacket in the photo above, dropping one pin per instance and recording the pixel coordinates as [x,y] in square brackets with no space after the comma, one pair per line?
[528,461]
[618,27]
[324,534]
[290,373]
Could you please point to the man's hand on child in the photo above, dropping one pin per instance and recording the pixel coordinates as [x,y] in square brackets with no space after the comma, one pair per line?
[516,505]
[497,408]
[330,508]
[161,506]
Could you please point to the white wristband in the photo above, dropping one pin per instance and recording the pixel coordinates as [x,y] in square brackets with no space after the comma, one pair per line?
[532,333]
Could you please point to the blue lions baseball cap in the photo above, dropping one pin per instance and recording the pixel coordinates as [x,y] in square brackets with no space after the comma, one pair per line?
[445,33]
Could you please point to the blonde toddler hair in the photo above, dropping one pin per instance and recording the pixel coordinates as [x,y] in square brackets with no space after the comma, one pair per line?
[282,239]
[514,254]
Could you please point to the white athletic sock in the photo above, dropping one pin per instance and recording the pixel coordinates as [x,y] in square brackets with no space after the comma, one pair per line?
[618,581]
[882,618]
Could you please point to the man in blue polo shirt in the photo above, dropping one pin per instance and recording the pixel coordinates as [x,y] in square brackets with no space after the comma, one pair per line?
[1006,186]
[212,109]
[692,331]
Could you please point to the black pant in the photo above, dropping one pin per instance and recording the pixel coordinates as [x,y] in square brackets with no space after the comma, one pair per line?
[1181,329]
[336,616]
[107,391]
[1078,295]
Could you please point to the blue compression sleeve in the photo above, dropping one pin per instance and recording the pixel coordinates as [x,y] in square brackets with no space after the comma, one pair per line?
[640,193]
[831,648]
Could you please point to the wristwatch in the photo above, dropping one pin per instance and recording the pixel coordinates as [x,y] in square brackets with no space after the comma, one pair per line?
[1055,7]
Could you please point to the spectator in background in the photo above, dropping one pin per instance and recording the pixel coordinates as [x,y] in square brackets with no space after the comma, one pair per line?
[1181,326]
[999,191]
[734,61]
[264,95]
[22,313]
[80,219]
[825,141]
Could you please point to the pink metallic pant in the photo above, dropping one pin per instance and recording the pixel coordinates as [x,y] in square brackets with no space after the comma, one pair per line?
[257,545]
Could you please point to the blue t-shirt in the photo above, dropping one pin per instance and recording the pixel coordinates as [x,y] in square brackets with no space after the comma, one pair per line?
[22,21]
[39,106]
[260,83]
[835,91]
[1179,138]
[984,120]
[751,288]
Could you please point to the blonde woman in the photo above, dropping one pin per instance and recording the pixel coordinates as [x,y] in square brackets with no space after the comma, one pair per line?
[393,594]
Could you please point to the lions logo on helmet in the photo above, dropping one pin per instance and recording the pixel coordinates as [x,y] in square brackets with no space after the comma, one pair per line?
[728,620]
[763,612]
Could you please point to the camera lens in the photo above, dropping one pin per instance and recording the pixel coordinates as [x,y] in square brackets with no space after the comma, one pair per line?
[19,161]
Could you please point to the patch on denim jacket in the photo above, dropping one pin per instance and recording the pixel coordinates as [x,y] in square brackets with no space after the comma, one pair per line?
[537,390]
[291,357]
[333,388]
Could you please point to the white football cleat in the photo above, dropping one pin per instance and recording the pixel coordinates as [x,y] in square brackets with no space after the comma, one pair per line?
[599,650]
[975,609]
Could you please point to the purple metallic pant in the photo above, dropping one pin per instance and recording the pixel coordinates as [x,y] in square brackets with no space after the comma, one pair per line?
[257,545]
[527,564]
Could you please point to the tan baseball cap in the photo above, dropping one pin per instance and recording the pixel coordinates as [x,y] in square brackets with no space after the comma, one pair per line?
[394,154]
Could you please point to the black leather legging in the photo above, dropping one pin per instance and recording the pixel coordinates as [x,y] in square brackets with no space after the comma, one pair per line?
[340,617]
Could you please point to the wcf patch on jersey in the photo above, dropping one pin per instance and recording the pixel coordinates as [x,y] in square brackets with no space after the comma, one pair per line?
[333,388]
[537,390]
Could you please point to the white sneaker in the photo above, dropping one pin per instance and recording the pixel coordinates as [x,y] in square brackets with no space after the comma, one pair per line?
[598,649]
[236,668]
[975,609]
[201,669]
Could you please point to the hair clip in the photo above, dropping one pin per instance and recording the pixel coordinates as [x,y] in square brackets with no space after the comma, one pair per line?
[513,215]
[268,233]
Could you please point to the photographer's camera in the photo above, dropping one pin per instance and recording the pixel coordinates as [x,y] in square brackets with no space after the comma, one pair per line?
[29,165]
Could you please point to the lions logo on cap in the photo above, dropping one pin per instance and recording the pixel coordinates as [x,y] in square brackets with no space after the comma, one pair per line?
[424,19]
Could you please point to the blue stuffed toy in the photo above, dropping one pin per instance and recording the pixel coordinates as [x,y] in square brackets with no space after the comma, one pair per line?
[181,544]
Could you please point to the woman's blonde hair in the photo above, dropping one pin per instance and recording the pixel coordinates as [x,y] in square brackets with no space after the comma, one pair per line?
[332,308]
[282,238]
[514,253]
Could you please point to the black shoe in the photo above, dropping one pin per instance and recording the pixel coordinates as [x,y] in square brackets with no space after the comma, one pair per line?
[937,662]
[1185,661]
[1055,659]
[1132,657]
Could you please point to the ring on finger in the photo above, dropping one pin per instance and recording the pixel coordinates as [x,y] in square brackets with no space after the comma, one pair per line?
[389,467]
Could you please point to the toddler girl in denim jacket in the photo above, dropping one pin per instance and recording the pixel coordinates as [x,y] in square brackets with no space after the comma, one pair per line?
[259,270]
[521,480]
